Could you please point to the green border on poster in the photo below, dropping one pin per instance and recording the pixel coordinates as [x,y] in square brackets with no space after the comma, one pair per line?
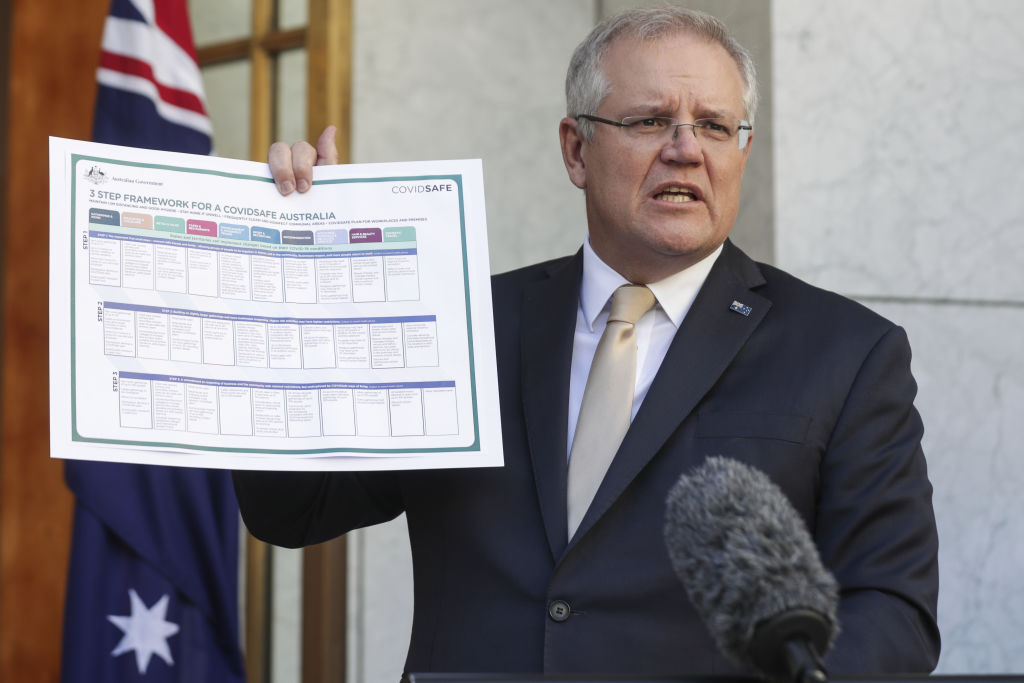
[456,178]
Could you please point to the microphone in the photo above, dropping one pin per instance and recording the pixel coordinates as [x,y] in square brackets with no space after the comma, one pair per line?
[751,570]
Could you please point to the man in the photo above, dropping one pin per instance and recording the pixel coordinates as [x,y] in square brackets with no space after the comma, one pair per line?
[556,562]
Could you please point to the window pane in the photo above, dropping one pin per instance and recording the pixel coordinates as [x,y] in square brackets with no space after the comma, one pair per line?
[213,22]
[227,97]
[286,619]
[292,13]
[291,96]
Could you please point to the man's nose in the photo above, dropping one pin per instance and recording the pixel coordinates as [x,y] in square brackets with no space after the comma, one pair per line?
[683,146]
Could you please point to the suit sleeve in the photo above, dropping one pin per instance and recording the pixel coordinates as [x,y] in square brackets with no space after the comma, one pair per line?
[875,525]
[296,509]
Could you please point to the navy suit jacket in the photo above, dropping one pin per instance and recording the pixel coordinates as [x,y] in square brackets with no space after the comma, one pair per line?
[813,389]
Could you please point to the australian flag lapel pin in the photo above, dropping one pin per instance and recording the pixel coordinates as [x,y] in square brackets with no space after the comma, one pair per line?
[740,308]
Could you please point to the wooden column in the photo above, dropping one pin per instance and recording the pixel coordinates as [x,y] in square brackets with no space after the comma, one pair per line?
[330,72]
[261,106]
[50,82]
[325,566]
[324,612]
[258,576]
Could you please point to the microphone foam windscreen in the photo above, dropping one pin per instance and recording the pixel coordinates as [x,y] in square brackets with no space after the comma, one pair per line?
[743,553]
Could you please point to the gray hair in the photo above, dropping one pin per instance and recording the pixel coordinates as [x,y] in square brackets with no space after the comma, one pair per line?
[586,85]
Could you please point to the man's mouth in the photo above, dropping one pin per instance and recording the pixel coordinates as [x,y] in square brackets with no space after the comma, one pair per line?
[678,195]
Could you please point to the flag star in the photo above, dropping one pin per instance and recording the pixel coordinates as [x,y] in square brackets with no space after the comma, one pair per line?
[145,631]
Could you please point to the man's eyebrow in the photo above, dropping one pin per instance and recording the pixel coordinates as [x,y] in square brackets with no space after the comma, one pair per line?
[713,113]
[654,108]
[650,108]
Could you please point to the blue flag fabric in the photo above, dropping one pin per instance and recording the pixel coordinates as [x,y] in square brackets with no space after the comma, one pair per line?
[152,582]
[152,587]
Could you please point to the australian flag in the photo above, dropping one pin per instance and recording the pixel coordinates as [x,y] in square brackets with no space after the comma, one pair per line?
[152,583]
[150,89]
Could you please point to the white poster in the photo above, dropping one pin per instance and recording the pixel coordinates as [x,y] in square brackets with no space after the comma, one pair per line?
[199,318]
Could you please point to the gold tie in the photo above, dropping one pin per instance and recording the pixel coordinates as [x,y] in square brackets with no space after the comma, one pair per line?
[607,401]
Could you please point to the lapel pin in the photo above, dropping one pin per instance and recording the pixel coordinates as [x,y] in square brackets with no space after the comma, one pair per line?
[742,309]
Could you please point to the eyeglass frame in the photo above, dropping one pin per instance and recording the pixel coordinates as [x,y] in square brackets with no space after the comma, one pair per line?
[742,131]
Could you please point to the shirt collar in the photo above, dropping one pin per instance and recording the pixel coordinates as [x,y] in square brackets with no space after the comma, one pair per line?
[675,294]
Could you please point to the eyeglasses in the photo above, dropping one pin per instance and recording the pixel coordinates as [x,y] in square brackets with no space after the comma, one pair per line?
[717,131]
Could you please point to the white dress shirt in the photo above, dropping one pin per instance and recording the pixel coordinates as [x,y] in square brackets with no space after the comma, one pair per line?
[654,331]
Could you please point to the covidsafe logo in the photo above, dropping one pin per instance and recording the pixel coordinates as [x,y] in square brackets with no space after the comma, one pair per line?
[422,188]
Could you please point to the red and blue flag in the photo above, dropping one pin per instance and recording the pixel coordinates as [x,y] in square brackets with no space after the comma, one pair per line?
[150,88]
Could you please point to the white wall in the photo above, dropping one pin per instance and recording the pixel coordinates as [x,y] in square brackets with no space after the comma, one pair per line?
[899,147]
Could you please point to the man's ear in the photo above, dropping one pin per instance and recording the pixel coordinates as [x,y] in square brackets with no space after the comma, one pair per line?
[572,151]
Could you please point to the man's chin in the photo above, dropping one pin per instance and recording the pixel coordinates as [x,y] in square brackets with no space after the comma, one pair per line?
[686,240]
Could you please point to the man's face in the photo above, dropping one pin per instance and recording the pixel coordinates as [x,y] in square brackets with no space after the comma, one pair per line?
[637,224]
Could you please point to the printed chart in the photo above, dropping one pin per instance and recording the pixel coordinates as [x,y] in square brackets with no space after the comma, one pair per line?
[199,318]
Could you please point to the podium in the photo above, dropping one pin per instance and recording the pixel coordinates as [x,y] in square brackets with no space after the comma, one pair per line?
[595,678]
[567,678]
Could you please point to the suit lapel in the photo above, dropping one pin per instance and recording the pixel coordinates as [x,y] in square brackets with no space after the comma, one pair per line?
[709,338]
[548,327]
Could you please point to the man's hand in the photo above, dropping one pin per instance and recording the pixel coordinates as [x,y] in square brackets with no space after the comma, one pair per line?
[292,167]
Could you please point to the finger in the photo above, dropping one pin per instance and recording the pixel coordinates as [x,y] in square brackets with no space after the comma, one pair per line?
[280,160]
[326,150]
[303,158]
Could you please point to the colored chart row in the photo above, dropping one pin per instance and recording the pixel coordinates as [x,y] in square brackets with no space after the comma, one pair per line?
[182,335]
[204,406]
[246,233]
[250,273]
